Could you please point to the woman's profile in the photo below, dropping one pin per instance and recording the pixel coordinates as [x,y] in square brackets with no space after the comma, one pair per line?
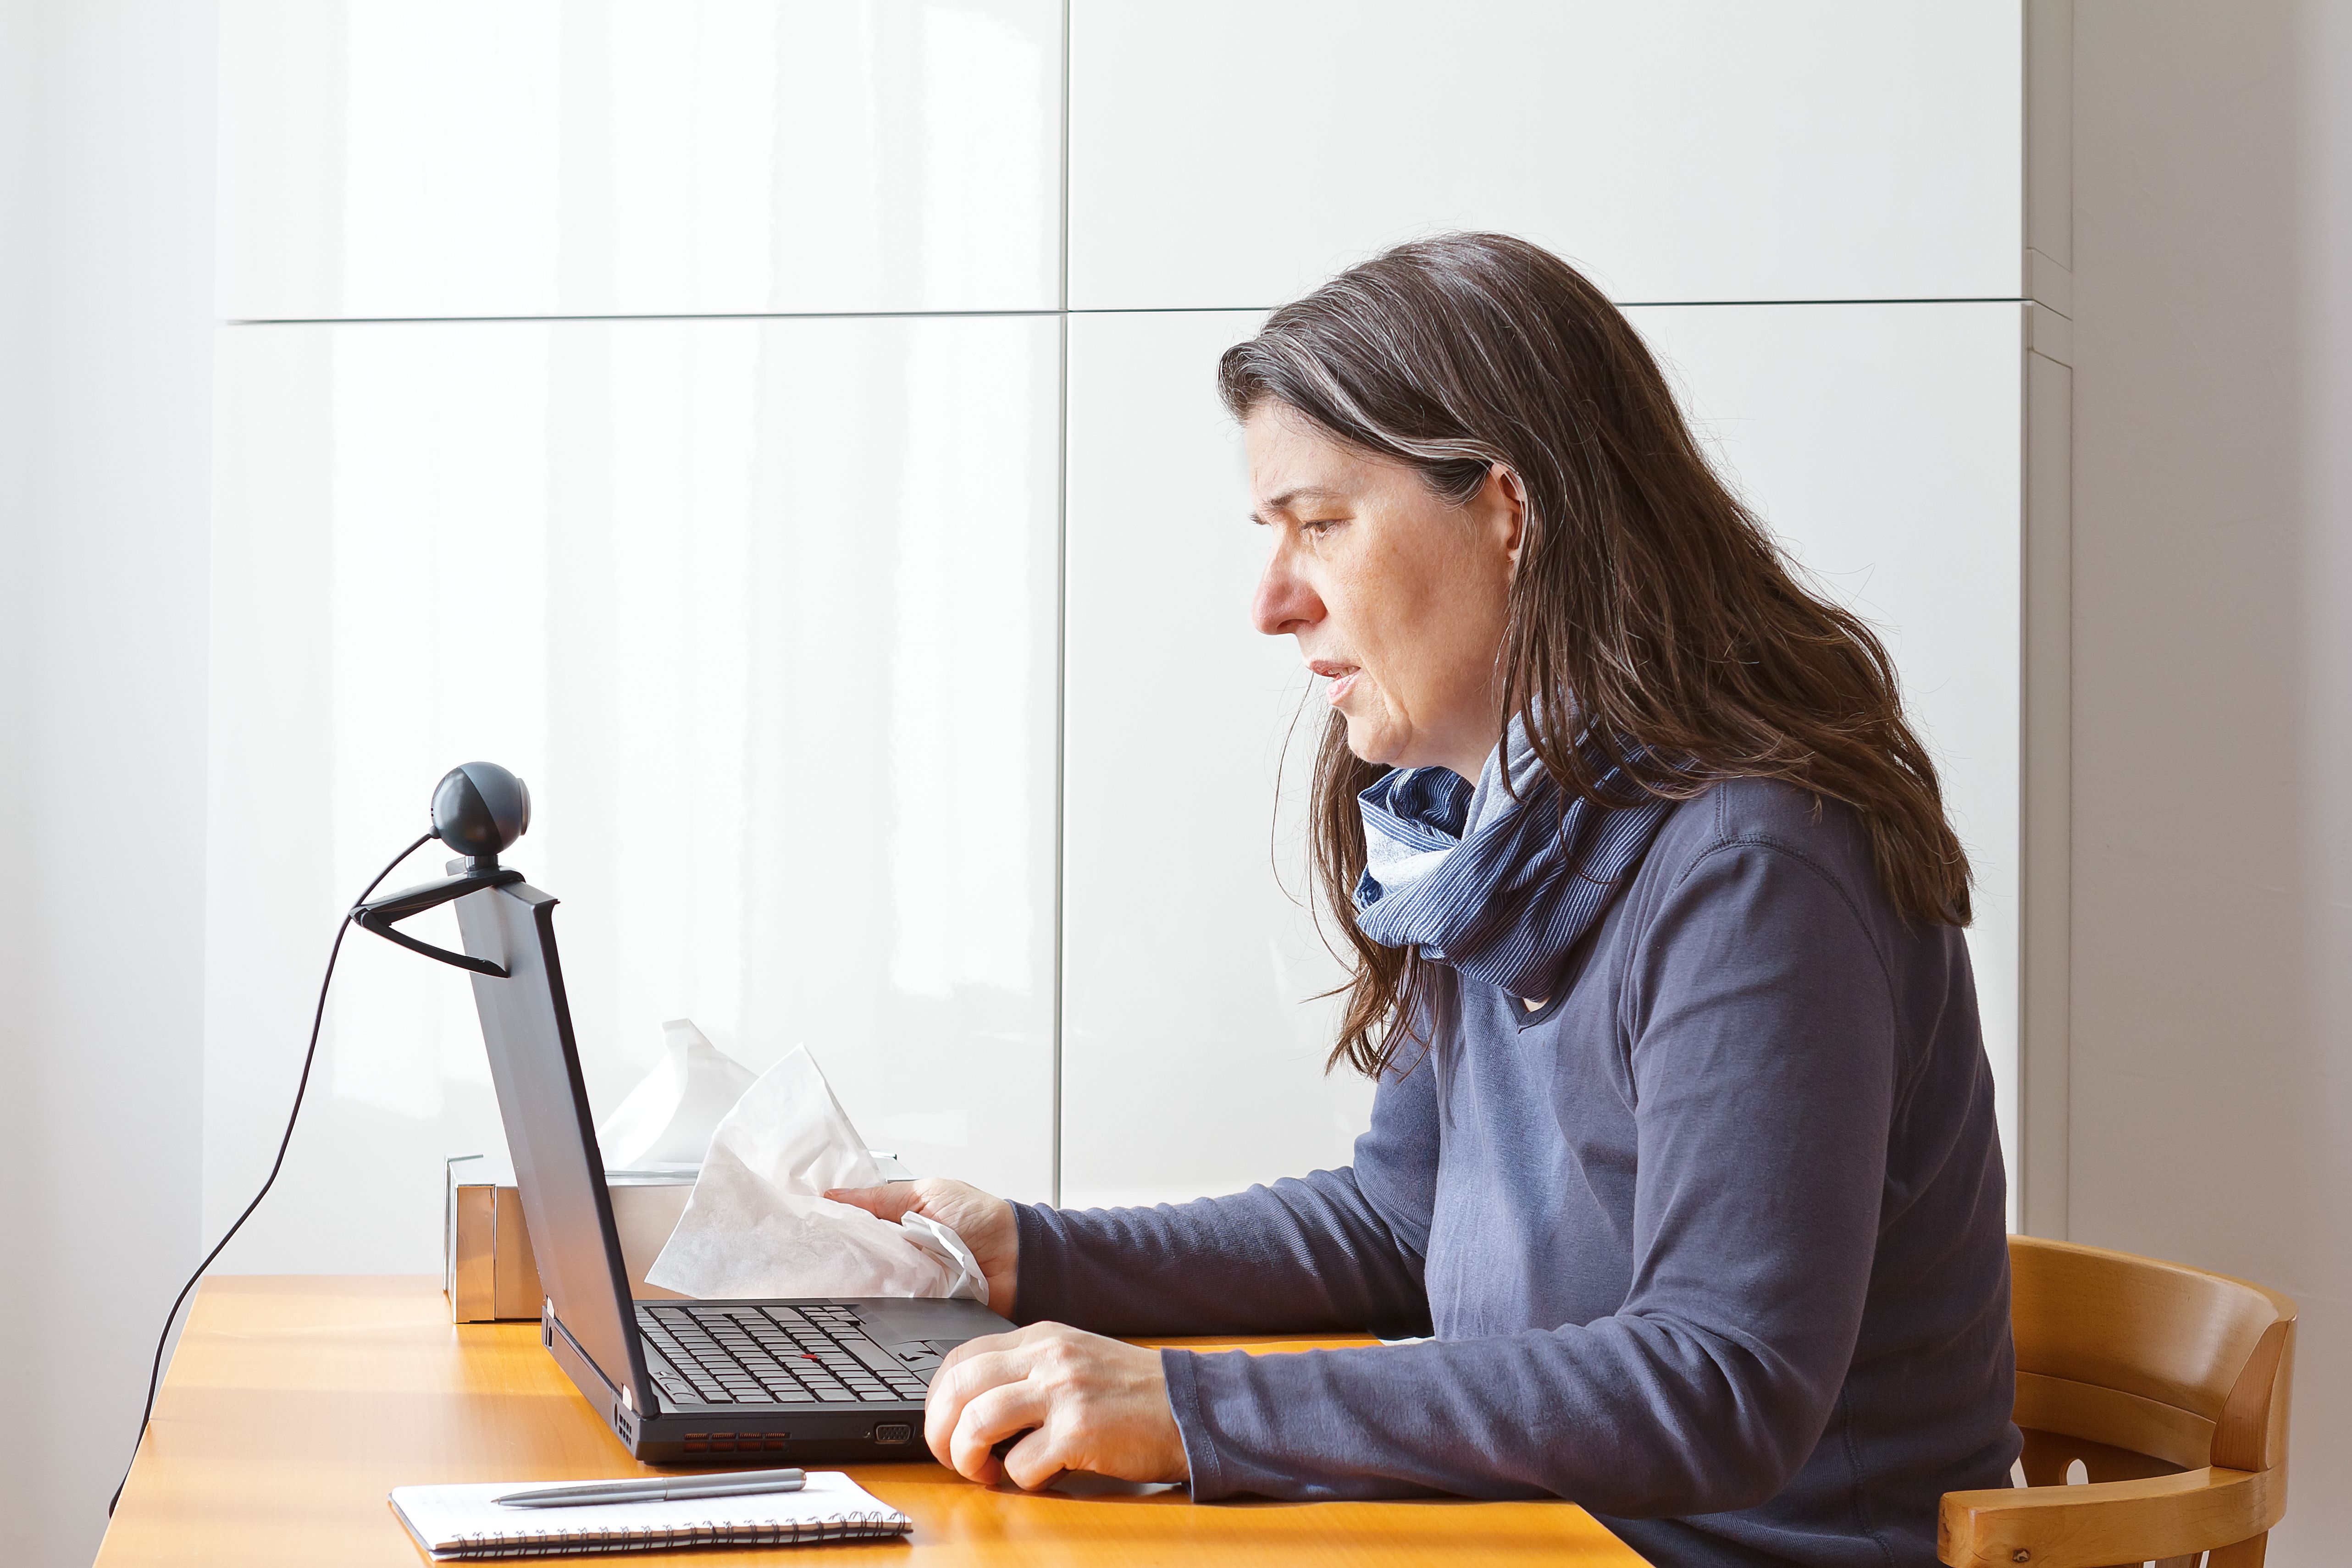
[1682,1170]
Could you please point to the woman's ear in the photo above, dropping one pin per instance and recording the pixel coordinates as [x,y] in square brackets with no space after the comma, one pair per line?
[1507,500]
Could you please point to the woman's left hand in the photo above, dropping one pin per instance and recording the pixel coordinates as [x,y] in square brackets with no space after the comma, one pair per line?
[1086,1403]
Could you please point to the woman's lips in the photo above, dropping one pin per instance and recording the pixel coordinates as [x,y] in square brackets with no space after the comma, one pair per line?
[1343,681]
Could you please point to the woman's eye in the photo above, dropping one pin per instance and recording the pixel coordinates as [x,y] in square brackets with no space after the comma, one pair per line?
[1318,529]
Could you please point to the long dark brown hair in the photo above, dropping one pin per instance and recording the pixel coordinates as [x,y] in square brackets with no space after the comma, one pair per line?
[1653,627]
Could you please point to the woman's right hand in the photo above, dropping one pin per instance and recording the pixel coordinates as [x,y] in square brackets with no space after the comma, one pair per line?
[984,1222]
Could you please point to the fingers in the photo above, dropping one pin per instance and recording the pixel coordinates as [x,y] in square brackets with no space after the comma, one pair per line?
[1053,1398]
[882,1202]
[988,1417]
[969,1371]
[986,1224]
[1034,1461]
[978,1397]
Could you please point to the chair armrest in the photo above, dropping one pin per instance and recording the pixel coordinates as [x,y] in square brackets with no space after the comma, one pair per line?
[2107,1523]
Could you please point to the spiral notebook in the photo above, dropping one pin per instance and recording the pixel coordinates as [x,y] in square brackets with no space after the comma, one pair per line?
[455,1522]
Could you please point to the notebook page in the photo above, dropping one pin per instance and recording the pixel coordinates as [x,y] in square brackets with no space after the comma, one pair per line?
[450,1520]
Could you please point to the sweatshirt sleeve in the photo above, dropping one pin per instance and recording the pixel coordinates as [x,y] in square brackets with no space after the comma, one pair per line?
[1760,1028]
[1336,1249]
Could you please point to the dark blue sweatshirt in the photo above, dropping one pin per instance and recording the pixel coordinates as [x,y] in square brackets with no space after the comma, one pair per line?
[1712,1243]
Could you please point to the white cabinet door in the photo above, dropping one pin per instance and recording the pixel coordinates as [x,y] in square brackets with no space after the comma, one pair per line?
[1880,442]
[641,157]
[1231,152]
[1884,445]
[1193,1045]
[763,611]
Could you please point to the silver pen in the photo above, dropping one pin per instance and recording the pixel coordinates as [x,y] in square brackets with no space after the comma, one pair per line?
[651,1489]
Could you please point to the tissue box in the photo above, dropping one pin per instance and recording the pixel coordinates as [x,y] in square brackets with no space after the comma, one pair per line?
[487,1269]
[473,1206]
[486,1266]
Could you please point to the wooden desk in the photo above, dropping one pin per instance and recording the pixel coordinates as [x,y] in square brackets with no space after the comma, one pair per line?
[295,1403]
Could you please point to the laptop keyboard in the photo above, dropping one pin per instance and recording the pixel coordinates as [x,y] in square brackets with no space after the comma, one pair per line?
[810,1354]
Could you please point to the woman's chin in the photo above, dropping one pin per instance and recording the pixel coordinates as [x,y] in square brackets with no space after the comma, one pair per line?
[1375,742]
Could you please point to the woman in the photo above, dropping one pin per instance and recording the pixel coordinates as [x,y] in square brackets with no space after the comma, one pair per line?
[1682,1146]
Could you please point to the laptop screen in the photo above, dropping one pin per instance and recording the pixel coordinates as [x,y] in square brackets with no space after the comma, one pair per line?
[535,1066]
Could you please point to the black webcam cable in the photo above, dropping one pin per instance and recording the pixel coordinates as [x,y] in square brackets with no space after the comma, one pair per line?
[309,1055]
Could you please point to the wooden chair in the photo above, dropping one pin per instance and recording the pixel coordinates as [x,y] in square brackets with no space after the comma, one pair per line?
[2169,1383]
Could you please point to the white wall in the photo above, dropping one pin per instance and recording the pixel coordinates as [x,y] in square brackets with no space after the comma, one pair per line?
[2208,156]
[2212,1026]
[106,161]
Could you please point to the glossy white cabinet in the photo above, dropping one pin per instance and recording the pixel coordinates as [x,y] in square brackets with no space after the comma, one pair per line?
[1193,1045]
[1883,445]
[1880,443]
[766,610]
[434,157]
[763,611]
[1232,153]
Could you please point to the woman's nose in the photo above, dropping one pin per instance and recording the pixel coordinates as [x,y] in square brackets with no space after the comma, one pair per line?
[1284,603]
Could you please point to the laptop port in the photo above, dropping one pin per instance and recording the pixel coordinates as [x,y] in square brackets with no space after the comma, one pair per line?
[892,1432]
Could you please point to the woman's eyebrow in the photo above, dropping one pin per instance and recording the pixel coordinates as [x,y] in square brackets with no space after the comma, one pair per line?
[1284,502]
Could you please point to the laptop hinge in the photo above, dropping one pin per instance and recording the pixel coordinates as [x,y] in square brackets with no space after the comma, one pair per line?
[612,1391]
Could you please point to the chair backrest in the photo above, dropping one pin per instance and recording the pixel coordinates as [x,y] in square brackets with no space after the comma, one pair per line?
[2142,1368]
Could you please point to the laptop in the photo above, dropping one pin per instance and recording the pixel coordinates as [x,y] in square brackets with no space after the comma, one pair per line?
[680,1382]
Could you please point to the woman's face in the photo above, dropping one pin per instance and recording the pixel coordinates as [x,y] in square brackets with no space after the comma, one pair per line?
[1397,597]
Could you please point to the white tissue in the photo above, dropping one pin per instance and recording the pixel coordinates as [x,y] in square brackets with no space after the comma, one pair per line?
[756,1224]
[667,1119]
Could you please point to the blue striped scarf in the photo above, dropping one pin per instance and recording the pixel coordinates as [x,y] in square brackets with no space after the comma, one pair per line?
[1497,888]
